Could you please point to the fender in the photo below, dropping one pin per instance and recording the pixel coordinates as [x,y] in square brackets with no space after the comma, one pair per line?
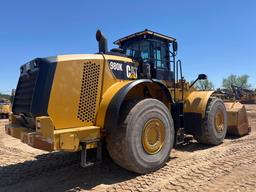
[113,111]
[106,100]
[164,88]
[194,111]
[197,101]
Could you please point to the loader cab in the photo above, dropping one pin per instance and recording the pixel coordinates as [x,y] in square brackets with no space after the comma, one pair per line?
[153,49]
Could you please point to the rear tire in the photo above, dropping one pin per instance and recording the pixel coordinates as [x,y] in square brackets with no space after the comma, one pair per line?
[130,148]
[214,125]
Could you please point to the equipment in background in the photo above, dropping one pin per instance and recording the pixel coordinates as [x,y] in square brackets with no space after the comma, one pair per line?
[244,96]
[5,108]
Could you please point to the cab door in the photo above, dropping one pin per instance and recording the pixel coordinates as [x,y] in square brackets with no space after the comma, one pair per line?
[162,68]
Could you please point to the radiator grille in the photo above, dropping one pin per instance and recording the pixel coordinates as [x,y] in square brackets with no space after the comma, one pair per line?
[24,93]
[89,92]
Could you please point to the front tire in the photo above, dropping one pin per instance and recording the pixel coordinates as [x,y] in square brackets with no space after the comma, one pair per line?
[214,125]
[145,137]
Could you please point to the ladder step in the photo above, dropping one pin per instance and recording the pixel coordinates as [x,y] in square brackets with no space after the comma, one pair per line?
[84,159]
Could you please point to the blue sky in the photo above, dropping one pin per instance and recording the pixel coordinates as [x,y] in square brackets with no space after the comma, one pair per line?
[215,37]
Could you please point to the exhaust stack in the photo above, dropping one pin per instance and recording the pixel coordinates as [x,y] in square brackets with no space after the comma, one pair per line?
[103,43]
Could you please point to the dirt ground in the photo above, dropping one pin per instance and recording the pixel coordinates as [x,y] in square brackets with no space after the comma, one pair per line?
[192,167]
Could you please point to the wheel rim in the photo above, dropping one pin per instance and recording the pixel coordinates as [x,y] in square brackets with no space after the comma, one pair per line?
[219,121]
[153,136]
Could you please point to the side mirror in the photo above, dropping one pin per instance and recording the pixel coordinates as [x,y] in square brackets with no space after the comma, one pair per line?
[202,77]
[175,46]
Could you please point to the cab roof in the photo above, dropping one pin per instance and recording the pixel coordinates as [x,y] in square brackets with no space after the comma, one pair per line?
[142,33]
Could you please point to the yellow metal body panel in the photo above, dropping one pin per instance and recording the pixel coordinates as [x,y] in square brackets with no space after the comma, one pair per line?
[47,138]
[197,101]
[69,142]
[66,89]
[44,125]
[84,133]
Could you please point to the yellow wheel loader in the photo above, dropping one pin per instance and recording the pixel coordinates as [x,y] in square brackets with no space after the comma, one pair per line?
[133,99]
[5,108]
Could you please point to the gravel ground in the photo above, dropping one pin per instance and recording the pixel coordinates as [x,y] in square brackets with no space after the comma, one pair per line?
[192,167]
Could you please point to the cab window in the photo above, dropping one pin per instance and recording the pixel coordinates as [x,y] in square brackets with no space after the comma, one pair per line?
[152,51]
[135,50]
[160,55]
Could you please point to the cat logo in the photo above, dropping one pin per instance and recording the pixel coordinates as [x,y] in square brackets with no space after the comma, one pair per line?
[131,72]
[123,70]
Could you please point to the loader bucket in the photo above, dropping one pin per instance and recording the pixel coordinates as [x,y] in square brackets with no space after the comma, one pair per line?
[238,124]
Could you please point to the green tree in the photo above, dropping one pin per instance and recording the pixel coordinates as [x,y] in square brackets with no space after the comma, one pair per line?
[240,81]
[204,85]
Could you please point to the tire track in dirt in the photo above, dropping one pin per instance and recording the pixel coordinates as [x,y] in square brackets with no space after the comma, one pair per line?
[195,171]
[25,168]
[232,181]
[228,167]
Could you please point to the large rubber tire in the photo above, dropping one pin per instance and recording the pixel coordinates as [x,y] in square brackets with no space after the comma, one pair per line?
[125,144]
[210,133]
